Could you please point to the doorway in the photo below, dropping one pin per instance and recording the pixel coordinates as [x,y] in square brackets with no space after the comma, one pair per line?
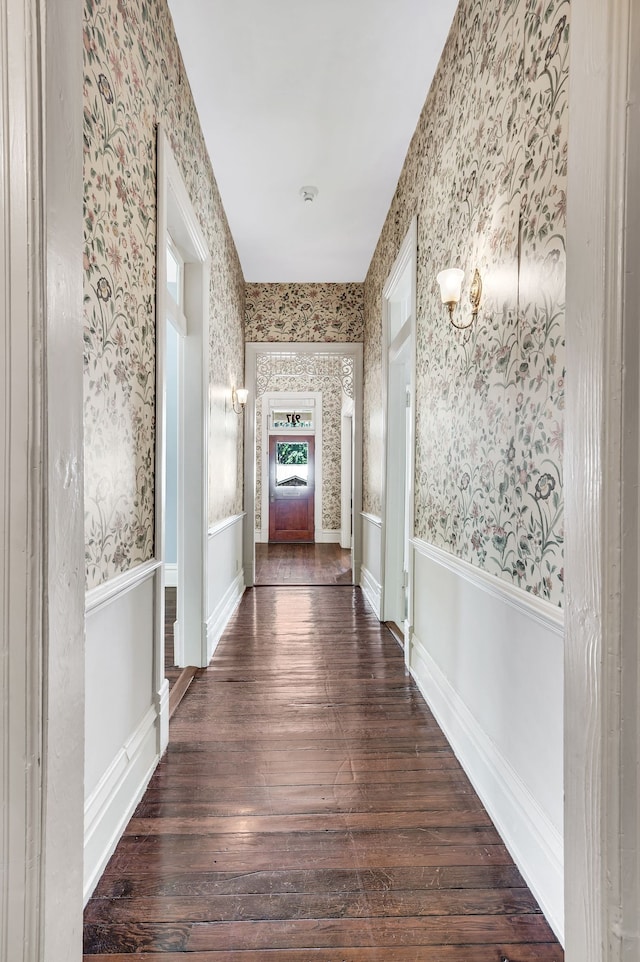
[175,332]
[183,269]
[323,384]
[396,565]
[399,300]
[291,489]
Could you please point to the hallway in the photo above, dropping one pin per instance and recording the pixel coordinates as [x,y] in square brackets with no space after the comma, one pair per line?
[302,564]
[309,808]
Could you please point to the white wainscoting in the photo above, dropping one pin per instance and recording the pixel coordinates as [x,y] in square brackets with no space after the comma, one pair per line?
[225,576]
[488,659]
[122,710]
[370,572]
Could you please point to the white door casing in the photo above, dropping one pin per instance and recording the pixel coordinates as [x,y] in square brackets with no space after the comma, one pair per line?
[346,475]
[398,388]
[41,483]
[602,670]
[177,217]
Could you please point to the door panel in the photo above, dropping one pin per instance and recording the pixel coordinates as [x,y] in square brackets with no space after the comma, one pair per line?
[291,488]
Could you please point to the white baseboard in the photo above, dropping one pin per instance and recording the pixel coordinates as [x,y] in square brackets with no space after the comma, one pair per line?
[321,536]
[219,617]
[327,536]
[112,803]
[171,576]
[372,591]
[533,841]
[162,705]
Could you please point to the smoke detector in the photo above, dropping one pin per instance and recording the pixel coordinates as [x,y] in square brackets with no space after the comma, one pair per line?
[309,194]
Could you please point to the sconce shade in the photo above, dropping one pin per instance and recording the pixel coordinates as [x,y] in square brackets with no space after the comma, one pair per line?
[239,399]
[450,282]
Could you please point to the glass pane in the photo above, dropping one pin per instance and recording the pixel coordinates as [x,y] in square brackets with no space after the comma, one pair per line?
[292,463]
[292,419]
[173,275]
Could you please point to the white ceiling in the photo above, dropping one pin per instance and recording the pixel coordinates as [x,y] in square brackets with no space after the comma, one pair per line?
[297,92]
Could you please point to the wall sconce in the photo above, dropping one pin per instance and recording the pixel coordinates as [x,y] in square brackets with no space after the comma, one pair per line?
[450,282]
[239,399]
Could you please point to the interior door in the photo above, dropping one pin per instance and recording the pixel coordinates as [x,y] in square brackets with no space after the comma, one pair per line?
[291,488]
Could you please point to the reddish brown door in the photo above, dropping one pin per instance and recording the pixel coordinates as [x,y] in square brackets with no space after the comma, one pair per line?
[291,488]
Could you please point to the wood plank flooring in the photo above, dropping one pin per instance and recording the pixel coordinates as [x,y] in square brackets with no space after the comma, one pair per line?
[302,564]
[171,671]
[309,809]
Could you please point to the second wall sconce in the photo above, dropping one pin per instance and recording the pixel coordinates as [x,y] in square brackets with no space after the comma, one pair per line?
[239,399]
[450,282]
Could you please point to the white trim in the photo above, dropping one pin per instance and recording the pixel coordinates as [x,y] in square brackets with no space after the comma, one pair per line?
[176,215]
[327,536]
[602,674]
[41,482]
[346,472]
[372,519]
[105,593]
[542,611]
[171,575]
[219,526]
[398,479]
[533,841]
[372,591]
[22,450]
[322,536]
[219,617]
[161,701]
[119,790]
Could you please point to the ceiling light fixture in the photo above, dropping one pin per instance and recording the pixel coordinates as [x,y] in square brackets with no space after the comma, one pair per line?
[309,194]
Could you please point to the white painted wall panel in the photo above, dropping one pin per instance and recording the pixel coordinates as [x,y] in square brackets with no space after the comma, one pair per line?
[225,576]
[122,712]
[370,572]
[119,676]
[489,660]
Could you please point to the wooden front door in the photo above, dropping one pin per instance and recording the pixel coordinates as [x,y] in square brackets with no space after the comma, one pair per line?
[291,488]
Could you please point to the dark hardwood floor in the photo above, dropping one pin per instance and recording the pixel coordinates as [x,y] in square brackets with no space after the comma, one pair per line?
[302,564]
[309,809]
[170,670]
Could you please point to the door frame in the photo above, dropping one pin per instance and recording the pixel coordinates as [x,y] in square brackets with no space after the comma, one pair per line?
[42,672]
[602,471]
[406,258]
[252,350]
[177,217]
[266,433]
[346,475]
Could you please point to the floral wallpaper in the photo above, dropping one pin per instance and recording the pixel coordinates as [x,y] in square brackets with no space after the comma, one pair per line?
[486,176]
[304,312]
[134,78]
